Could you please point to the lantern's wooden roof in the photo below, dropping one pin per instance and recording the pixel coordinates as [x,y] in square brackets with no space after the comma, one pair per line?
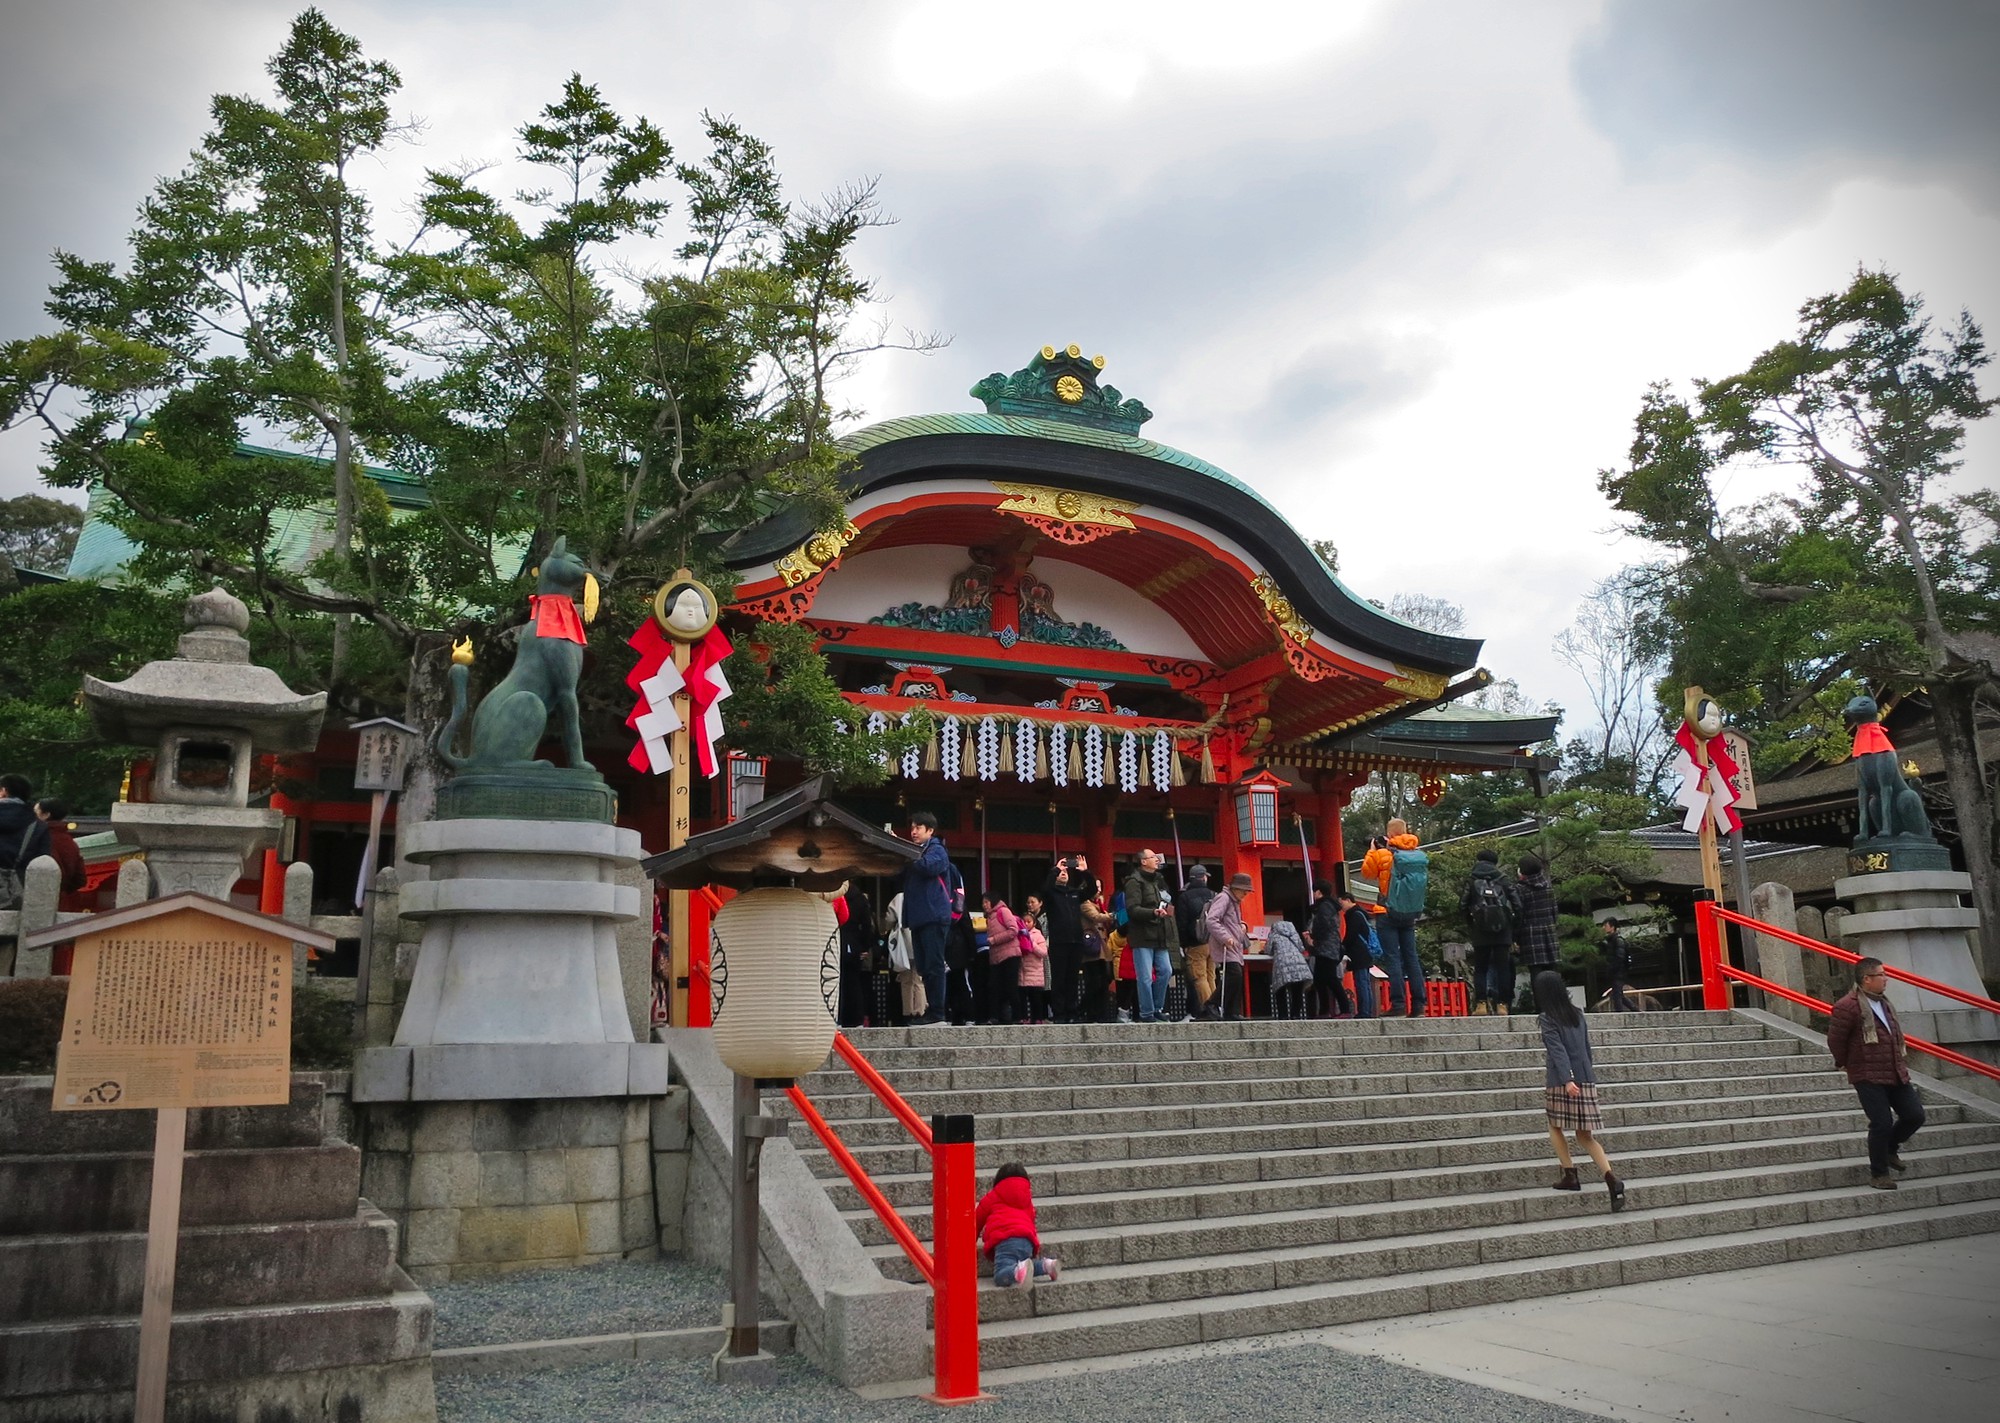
[800,835]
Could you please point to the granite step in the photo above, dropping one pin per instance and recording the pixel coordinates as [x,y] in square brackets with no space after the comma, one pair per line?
[28,1127]
[1470,1093]
[66,1194]
[1440,1139]
[1234,1254]
[1043,1337]
[81,1356]
[1389,1201]
[50,1277]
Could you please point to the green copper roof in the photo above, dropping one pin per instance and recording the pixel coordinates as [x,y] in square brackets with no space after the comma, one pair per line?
[1029,427]
[298,535]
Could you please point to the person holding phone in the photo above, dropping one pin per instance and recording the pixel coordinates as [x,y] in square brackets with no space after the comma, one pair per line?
[1069,886]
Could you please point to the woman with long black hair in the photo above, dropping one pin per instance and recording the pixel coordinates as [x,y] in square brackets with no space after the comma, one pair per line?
[1572,1085]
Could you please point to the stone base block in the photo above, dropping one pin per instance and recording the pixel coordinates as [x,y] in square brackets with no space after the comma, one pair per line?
[470,1072]
[759,1369]
[488,1187]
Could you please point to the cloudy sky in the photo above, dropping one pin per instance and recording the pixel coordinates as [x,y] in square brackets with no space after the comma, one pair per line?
[1405,268]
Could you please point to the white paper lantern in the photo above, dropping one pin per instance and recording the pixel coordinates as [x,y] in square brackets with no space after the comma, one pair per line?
[774,971]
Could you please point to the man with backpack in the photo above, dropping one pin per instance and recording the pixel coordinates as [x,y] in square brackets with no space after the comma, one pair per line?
[1492,913]
[1403,872]
[1192,915]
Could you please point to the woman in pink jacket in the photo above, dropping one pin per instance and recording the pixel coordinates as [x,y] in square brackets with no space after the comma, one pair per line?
[1003,938]
[1033,974]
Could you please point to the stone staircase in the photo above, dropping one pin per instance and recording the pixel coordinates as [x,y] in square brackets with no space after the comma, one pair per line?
[288,1302]
[1207,1181]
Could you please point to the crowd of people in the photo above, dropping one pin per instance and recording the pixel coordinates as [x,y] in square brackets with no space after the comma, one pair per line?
[1080,948]
[29,829]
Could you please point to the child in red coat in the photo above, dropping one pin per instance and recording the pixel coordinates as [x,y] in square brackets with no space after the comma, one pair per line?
[1006,1224]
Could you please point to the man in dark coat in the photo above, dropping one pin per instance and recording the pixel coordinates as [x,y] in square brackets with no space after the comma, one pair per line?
[1069,884]
[927,907]
[1867,1044]
[1618,963]
[23,837]
[1191,912]
[1492,916]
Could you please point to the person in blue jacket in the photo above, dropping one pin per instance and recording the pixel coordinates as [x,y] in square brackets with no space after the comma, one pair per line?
[927,913]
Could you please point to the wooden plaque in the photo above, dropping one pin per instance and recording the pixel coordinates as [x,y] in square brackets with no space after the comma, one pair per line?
[186,1008]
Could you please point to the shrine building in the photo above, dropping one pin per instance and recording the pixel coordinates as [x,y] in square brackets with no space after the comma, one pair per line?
[1119,645]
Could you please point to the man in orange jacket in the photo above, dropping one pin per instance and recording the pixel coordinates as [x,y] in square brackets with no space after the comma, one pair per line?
[1397,926]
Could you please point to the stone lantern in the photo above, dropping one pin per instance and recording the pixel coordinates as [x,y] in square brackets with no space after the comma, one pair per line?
[206,712]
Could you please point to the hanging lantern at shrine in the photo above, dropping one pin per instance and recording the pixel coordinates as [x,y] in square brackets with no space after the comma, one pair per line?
[772,956]
[1257,810]
[1430,790]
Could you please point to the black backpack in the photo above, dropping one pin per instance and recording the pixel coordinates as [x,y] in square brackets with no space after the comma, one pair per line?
[1194,916]
[1491,913]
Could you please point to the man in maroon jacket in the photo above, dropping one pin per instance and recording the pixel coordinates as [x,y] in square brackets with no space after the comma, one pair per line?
[1867,1044]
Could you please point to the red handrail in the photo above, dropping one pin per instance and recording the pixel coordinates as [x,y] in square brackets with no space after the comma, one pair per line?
[951,1266]
[884,1093]
[1717,973]
[1929,985]
[870,1192]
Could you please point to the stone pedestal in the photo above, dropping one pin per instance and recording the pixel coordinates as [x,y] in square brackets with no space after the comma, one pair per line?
[1916,921]
[484,1188]
[518,990]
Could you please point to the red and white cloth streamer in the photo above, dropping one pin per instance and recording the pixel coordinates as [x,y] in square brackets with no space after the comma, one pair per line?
[657,682]
[1711,792]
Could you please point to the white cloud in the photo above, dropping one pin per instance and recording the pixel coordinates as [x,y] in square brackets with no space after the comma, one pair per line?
[1404,269]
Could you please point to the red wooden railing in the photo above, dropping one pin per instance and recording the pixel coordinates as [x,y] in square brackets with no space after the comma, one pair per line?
[951,1266]
[1717,973]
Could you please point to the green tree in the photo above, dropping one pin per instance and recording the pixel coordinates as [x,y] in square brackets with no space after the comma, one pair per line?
[1868,573]
[38,532]
[506,354]
[50,638]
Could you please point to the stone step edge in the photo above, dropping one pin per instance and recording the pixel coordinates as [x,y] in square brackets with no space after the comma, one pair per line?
[1843,1095]
[529,1356]
[1885,1205]
[1617,1139]
[1859,1229]
[935,1056]
[1202,1094]
[1446,1200]
[1699,1069]
[816,1154]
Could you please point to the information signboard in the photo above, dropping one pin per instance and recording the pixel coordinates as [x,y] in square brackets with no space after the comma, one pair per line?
[178,1002]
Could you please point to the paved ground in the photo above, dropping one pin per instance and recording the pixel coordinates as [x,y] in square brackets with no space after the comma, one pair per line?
[1881,1336]
[1297,1383]
[620,1298]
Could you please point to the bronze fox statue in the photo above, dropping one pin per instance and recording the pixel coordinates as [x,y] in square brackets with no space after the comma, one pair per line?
[514,716]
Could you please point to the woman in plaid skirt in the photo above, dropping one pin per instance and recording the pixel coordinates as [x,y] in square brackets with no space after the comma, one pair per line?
[1572,1085]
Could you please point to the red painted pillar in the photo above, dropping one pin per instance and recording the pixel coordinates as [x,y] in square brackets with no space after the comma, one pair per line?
[1097,843]
[1334,794]
[1708,940]
[955,1252]
[271,887]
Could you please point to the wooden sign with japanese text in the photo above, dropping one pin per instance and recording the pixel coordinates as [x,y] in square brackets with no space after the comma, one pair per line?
[185,1007]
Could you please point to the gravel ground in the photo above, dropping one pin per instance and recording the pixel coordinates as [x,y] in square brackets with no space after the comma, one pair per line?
[627,1297]
[1305,1382]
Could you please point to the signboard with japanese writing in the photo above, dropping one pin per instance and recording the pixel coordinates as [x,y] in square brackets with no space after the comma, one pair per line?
[1744,783]
[381,753]
[179,1002]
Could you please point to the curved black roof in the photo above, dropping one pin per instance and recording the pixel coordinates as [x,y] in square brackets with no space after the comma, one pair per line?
[992,446]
